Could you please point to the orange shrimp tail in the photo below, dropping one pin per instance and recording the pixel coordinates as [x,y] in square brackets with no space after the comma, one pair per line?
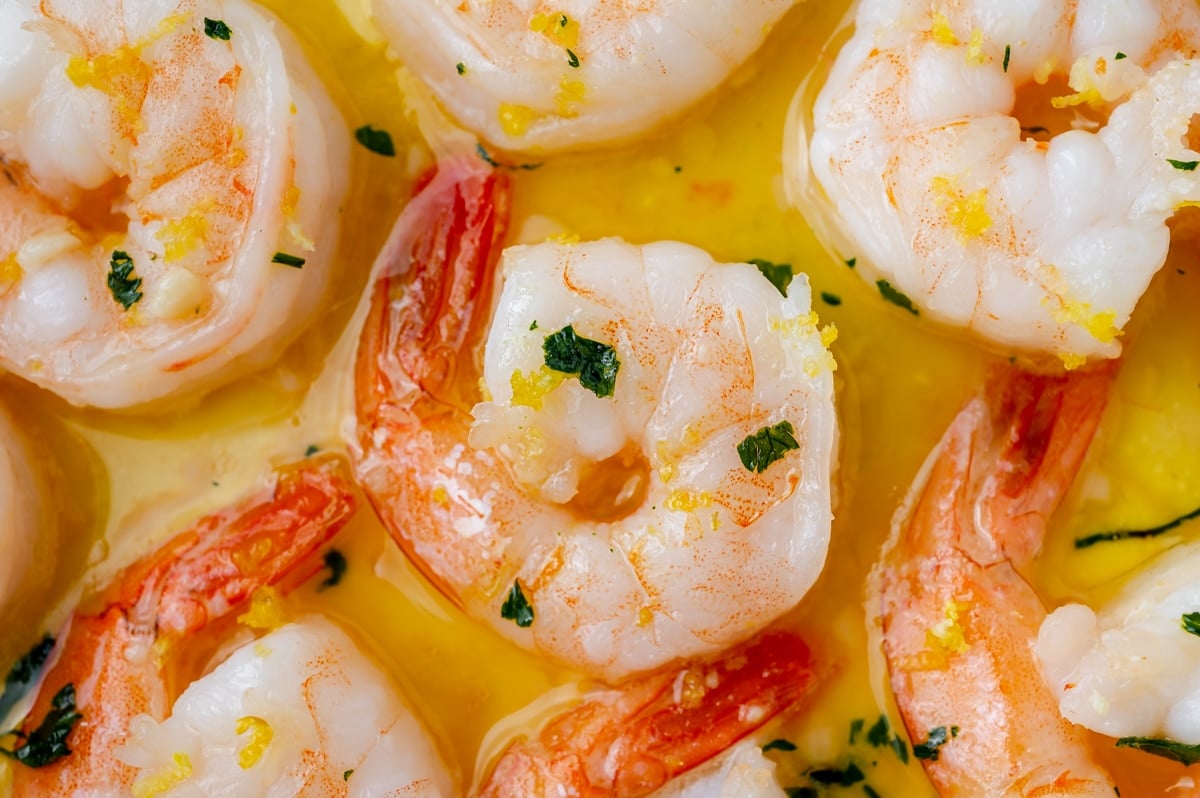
[198,577]
[956,615]
[630,742]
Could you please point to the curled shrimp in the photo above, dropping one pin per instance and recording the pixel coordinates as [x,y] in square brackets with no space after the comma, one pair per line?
[958,620]
[168,168]
[667,501]
[1034,239]
[22,513]
[655,735]
[535,76]
[117,658]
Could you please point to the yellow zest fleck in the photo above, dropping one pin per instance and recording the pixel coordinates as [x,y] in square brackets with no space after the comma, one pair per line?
[10,272]
[165,780]
[1089,96]
[829,334]
[558,27]
[180,237]
[821,364]
[256,746]
[121,74]
[565,238]
[515,119]
[685,501]
[692,690]
[948,633]
[669,462]
[441,496]
[1101,326]
[160,648]
[1044,71]
[529,390]
[168,26]
[645,617]
[539,23]
[975,54]
[262,650]
[1084,84]
[570,94]
[715,521]
[235,157]
[266,610]
[290,201]
[1071,360]
[798,327]
[967,213]
[942,32]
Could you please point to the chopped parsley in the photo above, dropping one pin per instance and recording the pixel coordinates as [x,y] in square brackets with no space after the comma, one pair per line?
[769,444]
[1168,749]
[779,745]
[311,450]
[851,262]
[572,59]
[23,674]
[216,29]
[125,288]
[869,791]
[377,141]
[516,607]
[931,749]
[833,300]
[1134,534]
[288,260]
[335,561]
[801,792]
[461,67]
[594,362]
[895,296]
[533,325]
[1191,623]
[838,777]
[856,727]
[879,735]
[486,157]
[780,274]
[1120,56]
[563,21]
[47,743]
[1184,166]
[1007,55]
[346,775]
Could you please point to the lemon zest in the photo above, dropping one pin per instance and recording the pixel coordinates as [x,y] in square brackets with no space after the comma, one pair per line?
[165,780]
[180,237]
[10,272]
[260,737]
[943,33]
[975,54]
[266,610]
[967,213]
[570,94]
[686,501]
[530,390]
[515,119]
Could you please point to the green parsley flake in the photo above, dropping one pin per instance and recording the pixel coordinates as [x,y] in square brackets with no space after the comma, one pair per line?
[769,444]
[594,362]
[516,607]
[125,288]
[1191,623]
[377,141]
[895,296]
[288,260]
[216,29]
[346,776]
[311,450]
[801,792]
[856,727]
[833,300]
[335,561]
[24,673]
[1168,749]
[851,262]
[572,59]
[563,21]
[461,67]
[869,791]
[780,274]
[1120,56]
[838,777]
[931,748]
[1135,534]
[47,744]
[1184,166]
[880,735]
[533,325]
[1007,55]
[779,745]
[482,152]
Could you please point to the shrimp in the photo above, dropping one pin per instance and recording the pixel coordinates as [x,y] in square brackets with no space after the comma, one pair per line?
[22,513]
[659,734]
[667,501]
[300,712]
[539,77]
[116,659]
[1131,669]
[1036,241]
[957,618]
[168,168]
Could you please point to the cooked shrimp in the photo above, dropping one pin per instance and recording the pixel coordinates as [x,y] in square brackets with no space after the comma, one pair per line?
[160,185]
[116,661]
[958,620]
[922,167]
[1132,669]
[534,76]
[22,518]
[650,736]
[648,475]
[300,712]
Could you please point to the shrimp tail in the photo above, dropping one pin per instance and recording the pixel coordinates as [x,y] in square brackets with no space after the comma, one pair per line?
[628,742]
[956,615]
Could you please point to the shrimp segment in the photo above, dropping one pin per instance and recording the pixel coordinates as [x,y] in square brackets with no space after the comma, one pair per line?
[958,620]
[535,76]
[620,500]
[117,658]
[632,741]
[155,169]
[1031,238]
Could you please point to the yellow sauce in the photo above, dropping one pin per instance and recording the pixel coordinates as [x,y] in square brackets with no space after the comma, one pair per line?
[125,483]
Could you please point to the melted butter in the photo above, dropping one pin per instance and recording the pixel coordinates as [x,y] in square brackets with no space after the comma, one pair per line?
[125,483]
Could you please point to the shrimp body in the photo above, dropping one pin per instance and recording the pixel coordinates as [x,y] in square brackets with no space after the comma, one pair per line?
[118,657]
[664,734]
[957,618]
[156,165]
[1131,669]
[1036,241]
[533,76]
[299,712]
[21,513]
[616,503]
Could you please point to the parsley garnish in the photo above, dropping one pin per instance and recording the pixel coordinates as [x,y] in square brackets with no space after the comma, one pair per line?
[335,561]
[1184,166]
[779,745]
[346,776]
[1007,55]
[1168,749]
[833,300]
[516,607]
[879,735]
[931,748]
[838,777]
[23,673]
[1133,534]
[1119,56]
[596,363]
[288,260]
[311,450]
[482,152]
[895,296]
[216,29]
[856,727]
[121,282]
[780,274]
[869,792]
[572,59]
[769,444]
[377,141]
[47,743]
[562,22]
[800,792]
[851,262]
[1191,623]
[461,67]
[533,325]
